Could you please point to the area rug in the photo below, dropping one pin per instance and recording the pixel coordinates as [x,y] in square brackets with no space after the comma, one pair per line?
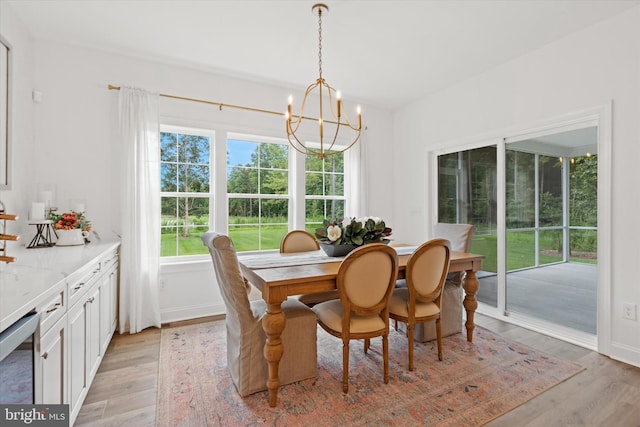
[475,383]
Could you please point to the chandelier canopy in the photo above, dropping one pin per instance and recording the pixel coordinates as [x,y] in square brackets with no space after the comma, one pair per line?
[337,120]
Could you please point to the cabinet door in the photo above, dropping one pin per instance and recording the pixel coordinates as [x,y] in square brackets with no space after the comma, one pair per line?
[77,355]
[51,386]
[105,313]
[93,332]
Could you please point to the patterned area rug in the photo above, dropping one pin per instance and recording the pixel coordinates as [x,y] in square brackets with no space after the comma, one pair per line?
[475,383]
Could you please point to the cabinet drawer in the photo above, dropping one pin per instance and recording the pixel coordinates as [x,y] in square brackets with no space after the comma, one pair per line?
[53,309]
[108,261]
[78,284]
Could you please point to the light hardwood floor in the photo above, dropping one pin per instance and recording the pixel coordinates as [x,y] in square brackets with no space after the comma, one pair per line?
[606,393]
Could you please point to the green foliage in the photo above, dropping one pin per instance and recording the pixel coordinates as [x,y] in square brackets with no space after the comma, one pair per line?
[352,231]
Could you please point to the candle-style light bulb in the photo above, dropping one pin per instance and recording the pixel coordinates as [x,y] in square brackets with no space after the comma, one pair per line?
[359,110]
[339,101]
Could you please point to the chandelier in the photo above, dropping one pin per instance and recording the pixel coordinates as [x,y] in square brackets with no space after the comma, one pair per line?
[338,118]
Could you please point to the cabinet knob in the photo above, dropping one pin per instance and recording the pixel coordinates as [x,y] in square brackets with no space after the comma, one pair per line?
[45,355]
[91,299]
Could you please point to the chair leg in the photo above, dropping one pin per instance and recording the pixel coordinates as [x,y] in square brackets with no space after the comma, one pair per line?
[345,366]
[439,338]
[367,344]
[410,331]
[385,357]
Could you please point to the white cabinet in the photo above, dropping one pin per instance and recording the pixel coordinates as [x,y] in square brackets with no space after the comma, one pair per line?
[50,362]
[77,379]
[108,301]
[91,324]
[52,365]
[77,320]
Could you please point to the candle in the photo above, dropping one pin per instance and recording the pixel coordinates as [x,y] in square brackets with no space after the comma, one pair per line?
[77,207]
[45,197]
[37,211]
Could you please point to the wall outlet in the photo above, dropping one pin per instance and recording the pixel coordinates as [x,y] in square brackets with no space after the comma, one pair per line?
[629,311]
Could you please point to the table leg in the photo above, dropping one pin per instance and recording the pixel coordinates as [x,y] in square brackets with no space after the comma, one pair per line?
[273,324]
[470,303]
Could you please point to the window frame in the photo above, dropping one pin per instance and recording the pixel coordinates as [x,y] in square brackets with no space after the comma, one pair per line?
[218,196]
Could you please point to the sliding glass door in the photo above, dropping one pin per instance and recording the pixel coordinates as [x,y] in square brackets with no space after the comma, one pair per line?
[539,195]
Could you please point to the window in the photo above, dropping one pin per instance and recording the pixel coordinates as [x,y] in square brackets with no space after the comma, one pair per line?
[324,190]
[185,190]
[251,198]
[258,192]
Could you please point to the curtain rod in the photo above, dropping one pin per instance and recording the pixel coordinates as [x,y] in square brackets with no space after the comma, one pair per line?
[220,105]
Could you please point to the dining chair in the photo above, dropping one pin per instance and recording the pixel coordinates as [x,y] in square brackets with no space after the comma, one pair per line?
[421,300]
[365,281]
[302,241]
[245,336]
[298,241]
[460,236]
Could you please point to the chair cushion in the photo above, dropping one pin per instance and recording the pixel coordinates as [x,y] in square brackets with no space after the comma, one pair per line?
[330,314]
[399,305]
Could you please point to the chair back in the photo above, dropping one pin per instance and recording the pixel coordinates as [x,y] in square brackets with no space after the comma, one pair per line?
[366,279]
[460,237]
[427,271]
[230,281]
[298,241]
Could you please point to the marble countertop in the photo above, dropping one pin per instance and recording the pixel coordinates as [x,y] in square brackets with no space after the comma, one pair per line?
[39,273]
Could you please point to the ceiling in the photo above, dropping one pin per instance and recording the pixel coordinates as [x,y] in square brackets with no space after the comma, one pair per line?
[383,53]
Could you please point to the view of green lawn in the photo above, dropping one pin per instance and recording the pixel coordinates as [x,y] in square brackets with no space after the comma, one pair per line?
[245,237]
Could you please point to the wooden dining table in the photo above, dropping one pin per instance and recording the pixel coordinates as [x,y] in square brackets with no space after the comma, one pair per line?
[279,276]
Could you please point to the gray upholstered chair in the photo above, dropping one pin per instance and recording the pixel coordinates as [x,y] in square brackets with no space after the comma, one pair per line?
[302,241]
[460,237]
[245,336]
[365,281]
[421,300]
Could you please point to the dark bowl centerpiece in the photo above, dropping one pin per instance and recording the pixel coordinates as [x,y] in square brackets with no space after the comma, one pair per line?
[339,237]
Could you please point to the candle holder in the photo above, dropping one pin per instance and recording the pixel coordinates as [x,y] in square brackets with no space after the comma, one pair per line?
[43,237]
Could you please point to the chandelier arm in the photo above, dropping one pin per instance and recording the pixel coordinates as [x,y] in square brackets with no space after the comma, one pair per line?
[304,149]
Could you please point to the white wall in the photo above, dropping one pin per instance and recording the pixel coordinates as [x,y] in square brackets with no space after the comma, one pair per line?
[76,148]
[582,71]
[16,198]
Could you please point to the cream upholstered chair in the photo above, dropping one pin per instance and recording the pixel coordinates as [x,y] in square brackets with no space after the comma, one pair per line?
[303,241]
[298,241]
[460,237]
[365,281]
[421,300]
[245,336]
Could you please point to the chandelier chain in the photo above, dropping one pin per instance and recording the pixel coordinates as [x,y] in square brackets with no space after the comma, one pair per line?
[320,42]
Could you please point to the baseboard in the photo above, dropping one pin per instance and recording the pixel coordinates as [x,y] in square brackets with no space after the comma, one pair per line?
[178,314]
[625,353]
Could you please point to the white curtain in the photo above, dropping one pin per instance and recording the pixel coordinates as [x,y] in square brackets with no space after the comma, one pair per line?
[357,205]
[140,191]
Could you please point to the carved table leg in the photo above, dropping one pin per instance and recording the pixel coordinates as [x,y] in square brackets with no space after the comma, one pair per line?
[273,325]
[470,303]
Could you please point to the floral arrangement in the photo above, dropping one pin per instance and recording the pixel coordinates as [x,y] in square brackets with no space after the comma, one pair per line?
[353,231]
[70,221]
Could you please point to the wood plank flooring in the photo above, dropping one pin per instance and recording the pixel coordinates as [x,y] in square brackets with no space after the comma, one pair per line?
[607,393]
